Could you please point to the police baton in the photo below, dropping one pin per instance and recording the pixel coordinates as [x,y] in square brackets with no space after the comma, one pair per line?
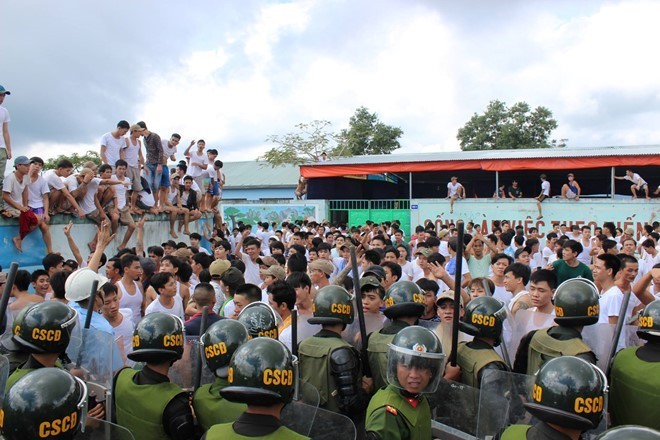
[366,368]
[294,350]
[202,329]
[6,293]
[617,331]
[457,292]
[88,319]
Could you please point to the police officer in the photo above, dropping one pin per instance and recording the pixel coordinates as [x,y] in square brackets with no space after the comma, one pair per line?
[219,342]
[635,375]
[483,319]
[147,403]
[568,398]
[404,304]
[400,410]
[43,330]
[44,403]
[260,320]
[261,375]
[576,305]
[330,363]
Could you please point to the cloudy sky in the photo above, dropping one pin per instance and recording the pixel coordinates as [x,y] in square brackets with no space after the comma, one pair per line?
[234,72]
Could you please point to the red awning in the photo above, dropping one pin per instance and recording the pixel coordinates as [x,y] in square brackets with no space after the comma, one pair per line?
[567,163]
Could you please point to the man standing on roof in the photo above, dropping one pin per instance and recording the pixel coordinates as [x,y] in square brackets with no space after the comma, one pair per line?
[638,183]
[545,193]
[454,190]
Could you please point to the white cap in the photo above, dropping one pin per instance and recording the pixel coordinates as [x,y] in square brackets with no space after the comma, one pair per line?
[78,285]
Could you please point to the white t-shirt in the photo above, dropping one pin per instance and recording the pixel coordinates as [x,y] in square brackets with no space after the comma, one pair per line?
[545,188]
[285,337]
[156,306]
[36,191]
[167,150]
[547,255]
[584,256]
[132,152]
[87,202]
[453,188]
[503,295]
[4,117]
[71,183]
[194,170]
[120,192]
[131,302]
[251,270]
[15,188]
[124,332]
[610,304]
[635,178]
[54,181]
[147,198]
[112,147]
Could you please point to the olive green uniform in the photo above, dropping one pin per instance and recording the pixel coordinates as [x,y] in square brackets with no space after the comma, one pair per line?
[544,347]
[140,408]
[634,390]
[393,416]
[540,431]
[212,409]
[253,427]
[377,351]
[30,365]
[472,357]
[314,354]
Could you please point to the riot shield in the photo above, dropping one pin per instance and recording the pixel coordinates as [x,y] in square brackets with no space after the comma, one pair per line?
[456,405]
[4,374]
[298,415]
[372,323]
[183,371]
[501,401]
[524,322]
[443,331]
[599,338]
[330,426]
[96,429]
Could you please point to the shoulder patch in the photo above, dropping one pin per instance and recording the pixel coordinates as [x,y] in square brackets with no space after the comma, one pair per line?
[391,410]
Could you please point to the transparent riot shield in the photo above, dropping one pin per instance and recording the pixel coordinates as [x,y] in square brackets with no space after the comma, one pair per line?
[524,322]
[208,376]
[501,399]
[456,405]
[184,371]
[94,360]
[4,374]
[305,329]
[444,333]
[372,323]
[330,426]
[298,415]
[599,338]
[96,429]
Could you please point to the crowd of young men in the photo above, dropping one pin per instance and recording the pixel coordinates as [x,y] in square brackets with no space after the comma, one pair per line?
[258,276]
[126,182]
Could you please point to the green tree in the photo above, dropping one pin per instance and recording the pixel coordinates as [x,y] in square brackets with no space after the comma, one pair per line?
[76,159]
[368,135]
[305,145]
[515,127]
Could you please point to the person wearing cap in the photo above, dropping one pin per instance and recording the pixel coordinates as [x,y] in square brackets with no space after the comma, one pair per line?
[13,190]
[5,141]
[319,273]
[373,295]
[571,189]
[216,270]
[270,276]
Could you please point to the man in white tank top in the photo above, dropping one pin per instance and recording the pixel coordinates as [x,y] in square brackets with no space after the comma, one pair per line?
[165,285]
[121,320]
[130,294]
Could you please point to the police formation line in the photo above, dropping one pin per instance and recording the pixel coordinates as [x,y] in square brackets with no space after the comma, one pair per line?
[393,388]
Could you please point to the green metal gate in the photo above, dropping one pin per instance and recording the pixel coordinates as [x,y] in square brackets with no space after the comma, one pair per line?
[357,212]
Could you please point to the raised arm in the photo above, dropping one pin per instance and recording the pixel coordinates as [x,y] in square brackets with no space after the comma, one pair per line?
[72,244]
[103,240]
[139,240]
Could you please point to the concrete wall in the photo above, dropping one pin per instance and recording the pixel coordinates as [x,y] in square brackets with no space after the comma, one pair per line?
[258,193]
[624,213]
